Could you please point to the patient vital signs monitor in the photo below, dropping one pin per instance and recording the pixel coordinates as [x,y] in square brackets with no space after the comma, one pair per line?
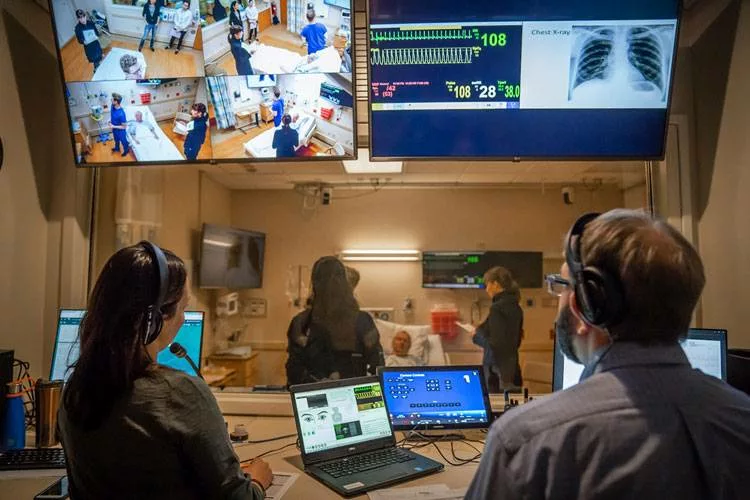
[67,349]
[705,349]
[518,79]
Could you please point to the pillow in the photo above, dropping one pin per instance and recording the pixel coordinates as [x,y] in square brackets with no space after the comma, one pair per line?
[418,333]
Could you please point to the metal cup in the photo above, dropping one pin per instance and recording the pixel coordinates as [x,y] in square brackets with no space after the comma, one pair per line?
[47,400]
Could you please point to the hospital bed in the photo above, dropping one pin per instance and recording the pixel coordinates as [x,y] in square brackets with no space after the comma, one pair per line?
[110,68]
[149,148]
[270,60]
[261,146]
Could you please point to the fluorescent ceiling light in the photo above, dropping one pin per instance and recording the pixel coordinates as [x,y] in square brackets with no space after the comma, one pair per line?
[380,255]
[363,165]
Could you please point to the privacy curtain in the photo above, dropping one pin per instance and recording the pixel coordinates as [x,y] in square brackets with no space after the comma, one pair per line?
[217,87]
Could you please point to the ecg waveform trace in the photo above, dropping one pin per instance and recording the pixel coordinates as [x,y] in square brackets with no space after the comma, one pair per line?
[422,56]
[450,33]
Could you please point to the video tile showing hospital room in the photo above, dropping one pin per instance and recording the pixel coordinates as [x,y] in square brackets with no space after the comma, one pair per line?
[103,40]
[158,120]
[252,37]
[281,116]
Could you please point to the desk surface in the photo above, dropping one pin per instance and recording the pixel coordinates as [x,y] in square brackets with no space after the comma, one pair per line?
[287,460]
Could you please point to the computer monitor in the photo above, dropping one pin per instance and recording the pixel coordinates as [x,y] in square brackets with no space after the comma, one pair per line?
[340,416]
[706,349]
[66,351]
[436,397]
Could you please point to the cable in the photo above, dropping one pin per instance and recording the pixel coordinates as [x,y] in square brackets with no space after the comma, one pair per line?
[27,383]
[266,453]
[261,441]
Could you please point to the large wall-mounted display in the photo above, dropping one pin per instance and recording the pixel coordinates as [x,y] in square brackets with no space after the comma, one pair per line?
[517,79]
[135,77]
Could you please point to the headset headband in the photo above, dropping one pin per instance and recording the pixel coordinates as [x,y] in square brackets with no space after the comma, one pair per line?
[154,319]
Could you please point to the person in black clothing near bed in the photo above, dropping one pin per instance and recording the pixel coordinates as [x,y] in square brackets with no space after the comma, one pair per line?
[285,139]
[240,54]
[87,35]
[501,333]
[331,338]
[197,127]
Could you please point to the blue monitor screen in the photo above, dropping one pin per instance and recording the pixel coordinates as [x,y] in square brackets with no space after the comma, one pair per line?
[519,79]
[436,397]
[66,352]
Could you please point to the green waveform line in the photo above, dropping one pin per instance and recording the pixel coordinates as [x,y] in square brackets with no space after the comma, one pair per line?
[420,35]
[421,56]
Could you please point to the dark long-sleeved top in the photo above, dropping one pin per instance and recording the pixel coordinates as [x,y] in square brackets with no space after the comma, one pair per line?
[312,355]
[284,141]
[93,50]
[644,425]
[241,57]
[151,18]
[164,440]
[500,336]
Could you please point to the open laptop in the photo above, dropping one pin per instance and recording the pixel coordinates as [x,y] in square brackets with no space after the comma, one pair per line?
[346,438]
[706,350]
[436,397]
[66,351]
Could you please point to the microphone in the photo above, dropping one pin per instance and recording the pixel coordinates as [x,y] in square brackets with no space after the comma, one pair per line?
[180,352]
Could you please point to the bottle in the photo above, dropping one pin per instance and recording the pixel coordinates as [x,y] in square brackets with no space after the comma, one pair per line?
[14,426]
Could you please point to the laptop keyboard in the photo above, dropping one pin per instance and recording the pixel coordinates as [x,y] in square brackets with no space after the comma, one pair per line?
[366,461]
[32,458]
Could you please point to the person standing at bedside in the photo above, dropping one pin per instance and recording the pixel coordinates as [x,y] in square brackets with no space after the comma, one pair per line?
[197,128]
[132,428]
[501,333]
[331,339]
[240,54]
[118,121]
[285,139]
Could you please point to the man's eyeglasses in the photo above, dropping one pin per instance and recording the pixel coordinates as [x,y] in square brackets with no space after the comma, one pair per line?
[556,284]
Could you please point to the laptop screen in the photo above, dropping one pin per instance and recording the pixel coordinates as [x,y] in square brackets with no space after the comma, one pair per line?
[341,416]
[705,349]
[436,397]
[66,351]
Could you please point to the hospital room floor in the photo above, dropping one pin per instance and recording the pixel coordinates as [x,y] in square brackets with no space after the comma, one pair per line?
[102,153]
[276,36]
[161,63]
[231,144]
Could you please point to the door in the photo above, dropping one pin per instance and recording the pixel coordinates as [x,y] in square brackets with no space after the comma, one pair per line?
[65,21]
[282,12]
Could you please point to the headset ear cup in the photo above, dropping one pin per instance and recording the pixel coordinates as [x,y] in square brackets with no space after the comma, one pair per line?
[596,296]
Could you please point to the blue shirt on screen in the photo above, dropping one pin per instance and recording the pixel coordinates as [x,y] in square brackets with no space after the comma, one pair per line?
[315,34]
[278,108]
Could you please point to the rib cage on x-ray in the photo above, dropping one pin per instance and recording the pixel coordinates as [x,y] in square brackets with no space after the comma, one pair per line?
[644,46]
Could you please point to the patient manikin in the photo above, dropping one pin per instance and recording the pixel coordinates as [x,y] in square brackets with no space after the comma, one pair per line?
[400,345]
[133,127]
[131,67]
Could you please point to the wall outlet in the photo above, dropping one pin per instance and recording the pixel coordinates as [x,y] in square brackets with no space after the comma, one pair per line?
[256,308]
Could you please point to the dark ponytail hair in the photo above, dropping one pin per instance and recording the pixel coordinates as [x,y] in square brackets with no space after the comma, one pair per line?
[286,120]
[505,278]
[112,352]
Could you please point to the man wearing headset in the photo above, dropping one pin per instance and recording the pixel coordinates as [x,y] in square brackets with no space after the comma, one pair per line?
[641,423]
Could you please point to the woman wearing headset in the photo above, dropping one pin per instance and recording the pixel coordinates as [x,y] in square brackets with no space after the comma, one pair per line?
[130,427]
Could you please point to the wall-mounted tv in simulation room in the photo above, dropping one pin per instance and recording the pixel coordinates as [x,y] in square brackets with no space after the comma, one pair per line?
[134,74]
[453,269]
[231,258]
[521,80]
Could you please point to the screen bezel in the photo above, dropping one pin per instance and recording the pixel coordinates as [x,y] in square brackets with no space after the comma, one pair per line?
[480,286]
[658,157]
[382,370]
[245,231]
[712,334]
[342,451]
[212,161]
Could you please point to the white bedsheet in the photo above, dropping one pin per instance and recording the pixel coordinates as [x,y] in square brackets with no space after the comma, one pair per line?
[110,68]
[274,60]
[149,148]
[261,146]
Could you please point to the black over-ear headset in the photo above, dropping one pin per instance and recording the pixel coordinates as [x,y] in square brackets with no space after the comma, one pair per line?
[598,295]
[154,318]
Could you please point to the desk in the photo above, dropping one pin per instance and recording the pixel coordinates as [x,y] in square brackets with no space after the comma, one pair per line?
[243,366]
[247,114]
[284,461]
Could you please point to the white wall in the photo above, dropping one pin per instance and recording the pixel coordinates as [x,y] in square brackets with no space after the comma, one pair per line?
[724,230]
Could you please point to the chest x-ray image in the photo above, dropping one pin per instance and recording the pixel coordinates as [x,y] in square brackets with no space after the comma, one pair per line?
[621,66]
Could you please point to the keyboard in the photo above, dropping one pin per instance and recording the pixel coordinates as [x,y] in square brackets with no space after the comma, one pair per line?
[366,461]
[32,458]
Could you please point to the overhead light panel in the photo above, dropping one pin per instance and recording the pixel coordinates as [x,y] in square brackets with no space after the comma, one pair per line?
[363,165]
[380,255]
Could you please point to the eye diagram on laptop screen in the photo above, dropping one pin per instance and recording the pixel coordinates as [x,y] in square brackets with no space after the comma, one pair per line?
[341,416]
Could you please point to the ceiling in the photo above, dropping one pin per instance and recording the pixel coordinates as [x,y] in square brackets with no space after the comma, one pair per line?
[430,174]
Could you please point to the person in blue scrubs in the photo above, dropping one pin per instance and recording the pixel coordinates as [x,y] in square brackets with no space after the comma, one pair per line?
[241,56]
[285,139]
[277,107]
[196,131]
[86,32]
[314,34]
[119,124]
